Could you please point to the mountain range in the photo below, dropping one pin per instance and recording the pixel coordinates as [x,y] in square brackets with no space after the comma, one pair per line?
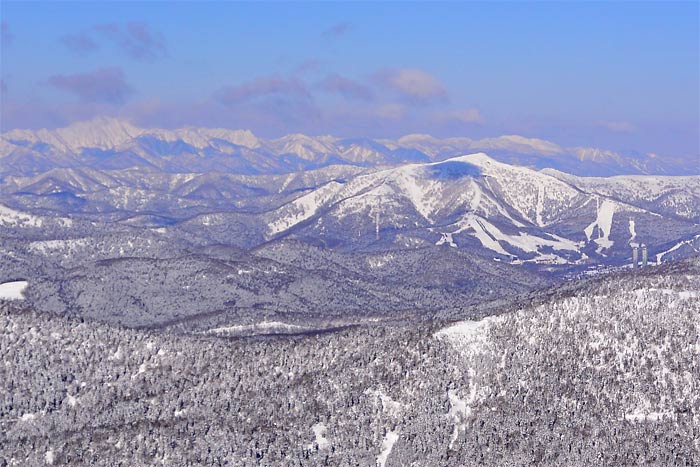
[197,228]
[230,187]
[107,143]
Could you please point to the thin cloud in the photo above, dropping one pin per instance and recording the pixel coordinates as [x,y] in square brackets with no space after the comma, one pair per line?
[337,30]
[334,83]
[5,34]
[267,117]
[33,112]
[265,86]
[619,127]
[465,116]
[136,39]
[104,85]
[79,43]
[413,84]
[268,103]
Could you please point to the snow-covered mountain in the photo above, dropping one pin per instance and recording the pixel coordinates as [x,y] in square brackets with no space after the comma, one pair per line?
[472,203]
[230,187]
[511,212]
[107,143]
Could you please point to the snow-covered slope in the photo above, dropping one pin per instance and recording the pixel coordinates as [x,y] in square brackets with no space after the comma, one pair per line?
[474,201]
[678,196]
[15,218]
[13,290]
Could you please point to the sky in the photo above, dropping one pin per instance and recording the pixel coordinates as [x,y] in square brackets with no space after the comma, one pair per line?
[617,75]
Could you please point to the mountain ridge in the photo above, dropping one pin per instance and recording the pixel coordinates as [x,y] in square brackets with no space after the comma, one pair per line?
[470,202]
[91,142]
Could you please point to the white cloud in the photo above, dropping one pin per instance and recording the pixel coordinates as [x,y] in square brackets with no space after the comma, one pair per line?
[414,84]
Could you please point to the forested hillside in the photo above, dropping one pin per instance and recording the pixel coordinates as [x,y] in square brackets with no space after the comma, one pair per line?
[606,375]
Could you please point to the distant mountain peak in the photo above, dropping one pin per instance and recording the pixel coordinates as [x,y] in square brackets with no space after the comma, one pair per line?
[101,132]
[517,143]
[417,137]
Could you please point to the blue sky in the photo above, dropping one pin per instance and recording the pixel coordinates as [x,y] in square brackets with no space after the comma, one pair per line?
[623,76]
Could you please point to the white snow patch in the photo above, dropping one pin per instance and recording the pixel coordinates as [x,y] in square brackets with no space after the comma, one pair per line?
[267,327]
[319,430]
[466,333]
[490,237]
[49,457]
[11,217]
[461,409]
[446,239]
[286,182]
[423,194]
[470,339]
[540,205]
[116,355]
[53,246]
[71,400]
[683,295]
[389,405]
[375,262]
[640,415]
[387,444]
[13,290]
[483,236]
[476,199]
[603,221]
[303,207]
[27,417]
[633,231]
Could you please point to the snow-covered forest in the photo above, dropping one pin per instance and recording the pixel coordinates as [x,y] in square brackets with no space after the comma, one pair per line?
[606,372]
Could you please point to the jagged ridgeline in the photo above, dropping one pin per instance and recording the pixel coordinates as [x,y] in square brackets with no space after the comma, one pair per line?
[603,373]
